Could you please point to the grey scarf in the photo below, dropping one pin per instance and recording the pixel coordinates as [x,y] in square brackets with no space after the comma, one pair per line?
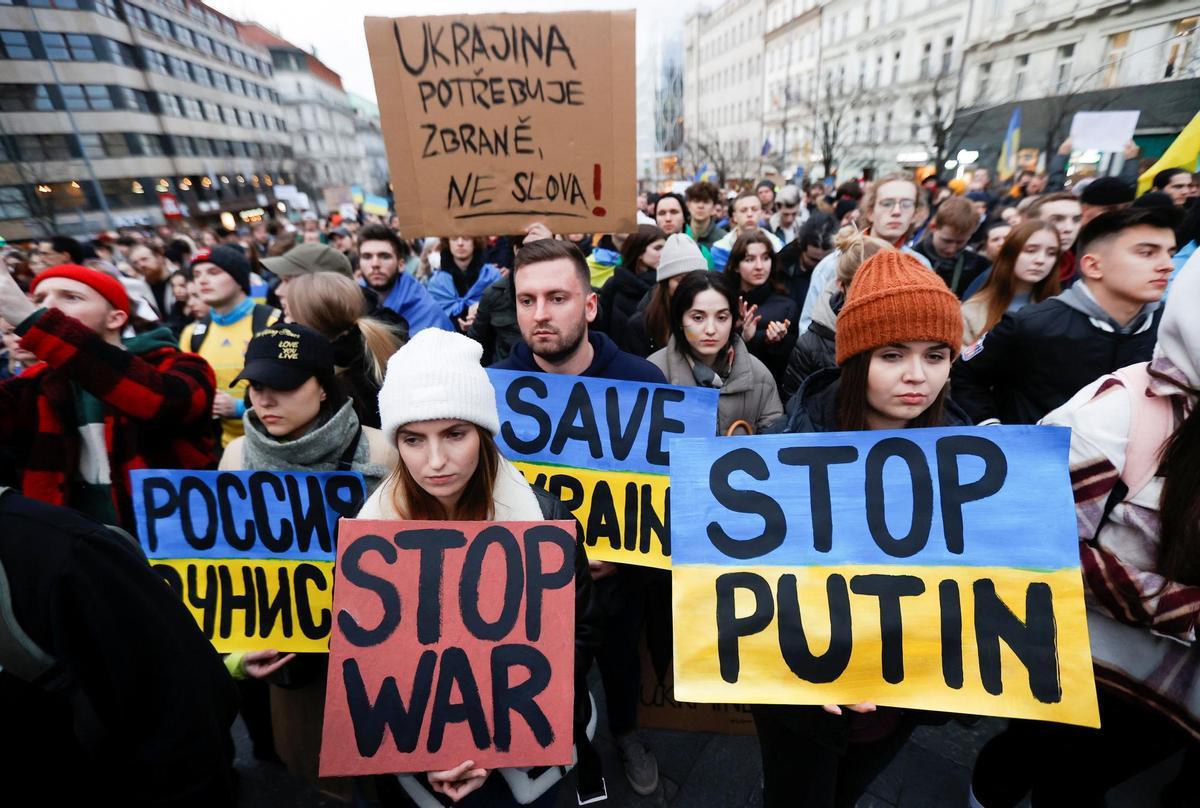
[319,449]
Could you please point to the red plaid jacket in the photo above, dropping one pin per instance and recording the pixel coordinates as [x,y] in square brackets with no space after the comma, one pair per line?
[158,409]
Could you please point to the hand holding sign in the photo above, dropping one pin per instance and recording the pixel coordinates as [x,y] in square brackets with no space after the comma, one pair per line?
[458,782]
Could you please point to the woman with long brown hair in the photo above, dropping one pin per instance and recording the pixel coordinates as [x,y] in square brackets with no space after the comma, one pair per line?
[333,305]
[439,411]
[1023,274]
[632,279]
[767,316]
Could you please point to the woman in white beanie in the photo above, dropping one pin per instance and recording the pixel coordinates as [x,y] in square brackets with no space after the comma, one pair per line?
[438,409]
[650,327]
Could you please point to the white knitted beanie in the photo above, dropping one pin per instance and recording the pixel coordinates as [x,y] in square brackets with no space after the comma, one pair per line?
[680,255]
[437,375]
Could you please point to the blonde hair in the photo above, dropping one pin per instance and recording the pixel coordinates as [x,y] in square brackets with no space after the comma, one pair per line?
[855,249]
[332,304]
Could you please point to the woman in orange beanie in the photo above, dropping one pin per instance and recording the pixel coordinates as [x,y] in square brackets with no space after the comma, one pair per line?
[898,332]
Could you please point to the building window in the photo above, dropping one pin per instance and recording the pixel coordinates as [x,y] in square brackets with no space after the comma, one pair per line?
[204,44]
[896,67]
[1112,59]
[133,99]
[1021,67]
[12,203]
[25,98]
[160,25]
[204,146]
[201,76]
[179,68]
[947,54]
[212,112]
[184,36]
[44,147]
[91,145]
[150,145]
[155,61]
[169,105]
[120,53]
[14,45]
[985,76]
[1181,49]
[191,109]
[136,16]
[106,7]
[926,55]
[87,96]
[115,144]
[1062,68]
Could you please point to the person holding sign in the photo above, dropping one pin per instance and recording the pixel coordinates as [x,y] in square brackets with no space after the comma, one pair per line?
[1135,469]
[766,314]
[706,351]
[459,283]
[442,417]
[896,337]
[555,305]
[97,405]
[300,419]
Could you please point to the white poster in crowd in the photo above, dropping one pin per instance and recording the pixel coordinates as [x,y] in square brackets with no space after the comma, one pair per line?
[1103,131]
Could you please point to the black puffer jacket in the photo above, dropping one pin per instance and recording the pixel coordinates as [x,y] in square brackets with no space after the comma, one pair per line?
[619,300]
[1035,359]
[773,307]
[958,272]
[816,349]
[495,326]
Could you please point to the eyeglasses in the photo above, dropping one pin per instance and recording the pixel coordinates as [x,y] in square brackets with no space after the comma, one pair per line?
[888,204]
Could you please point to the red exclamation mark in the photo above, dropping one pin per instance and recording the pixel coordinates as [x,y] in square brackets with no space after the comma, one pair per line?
[598,210]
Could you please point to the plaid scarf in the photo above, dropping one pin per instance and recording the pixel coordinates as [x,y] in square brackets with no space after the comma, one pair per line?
[93,484]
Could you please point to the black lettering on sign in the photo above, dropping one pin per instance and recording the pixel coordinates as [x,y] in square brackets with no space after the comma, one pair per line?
[432,543]
[344,494]
[205,601]
[952,642]
[661,426]
[954,494]
[470,45]
[388,711]
[454,674]
[279,609]
[537,579]
[730,627]
[1034,641]
[231,600]
[744,501]
[472,193]
[922,495]
[258,484]
[889,589]
[512,397]
[578,407]
[471,575]
[622,440]
[389,598]
[204,540]
[171,577]
[602,517]
[508,698]
[311,574]
[157,508]
[650,526]
[818,459]
[308,520]
[793,641]
[227,486]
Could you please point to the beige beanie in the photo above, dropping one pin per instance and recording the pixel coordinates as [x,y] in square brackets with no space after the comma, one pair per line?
[437,375]
[680,255]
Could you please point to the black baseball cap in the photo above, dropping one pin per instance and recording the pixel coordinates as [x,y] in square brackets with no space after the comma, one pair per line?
[285,356]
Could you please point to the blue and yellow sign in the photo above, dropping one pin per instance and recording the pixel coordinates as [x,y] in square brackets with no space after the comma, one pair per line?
[250,553]
[601,447]
[934,569]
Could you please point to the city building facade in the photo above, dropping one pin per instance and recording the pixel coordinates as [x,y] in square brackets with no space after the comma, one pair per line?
[320,117]
[115,113]
[369,131]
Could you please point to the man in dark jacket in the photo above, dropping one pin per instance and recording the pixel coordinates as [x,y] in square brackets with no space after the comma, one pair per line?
[945,245]
[555,304]
[1036,359]
[133,706]
[98,405]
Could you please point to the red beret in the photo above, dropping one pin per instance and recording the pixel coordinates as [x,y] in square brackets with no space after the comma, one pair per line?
[109,287]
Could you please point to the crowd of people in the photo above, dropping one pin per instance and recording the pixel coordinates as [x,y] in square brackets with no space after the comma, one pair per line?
[341,344]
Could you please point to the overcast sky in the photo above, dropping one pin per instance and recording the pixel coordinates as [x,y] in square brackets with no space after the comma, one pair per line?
[335,27]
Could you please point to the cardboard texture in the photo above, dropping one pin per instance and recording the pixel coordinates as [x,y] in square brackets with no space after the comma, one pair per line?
[495,121]
[936,569]
[453,641]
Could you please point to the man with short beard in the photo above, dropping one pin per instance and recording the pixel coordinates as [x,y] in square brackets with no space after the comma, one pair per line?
[152,265]
[555,304]
[379,251]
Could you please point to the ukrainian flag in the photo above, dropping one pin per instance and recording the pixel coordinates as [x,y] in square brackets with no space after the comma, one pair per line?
[1182,153]
[1007,166]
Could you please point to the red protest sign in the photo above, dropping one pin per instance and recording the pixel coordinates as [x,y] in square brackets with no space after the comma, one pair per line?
[452,641]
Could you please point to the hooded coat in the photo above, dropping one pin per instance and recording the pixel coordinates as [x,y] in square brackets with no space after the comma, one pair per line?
[1036,359]
[747,393]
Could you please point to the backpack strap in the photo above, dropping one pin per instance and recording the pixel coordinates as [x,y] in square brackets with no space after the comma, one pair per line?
[1151,424]
[346,461]
[200,333]
[261,316]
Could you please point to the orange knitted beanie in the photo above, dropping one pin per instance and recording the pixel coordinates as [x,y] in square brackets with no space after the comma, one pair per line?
[895,298]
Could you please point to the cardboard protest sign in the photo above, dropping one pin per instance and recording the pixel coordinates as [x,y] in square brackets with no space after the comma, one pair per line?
[494,121]
[601,447]
[453,641]
[250,553]
[935,569]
